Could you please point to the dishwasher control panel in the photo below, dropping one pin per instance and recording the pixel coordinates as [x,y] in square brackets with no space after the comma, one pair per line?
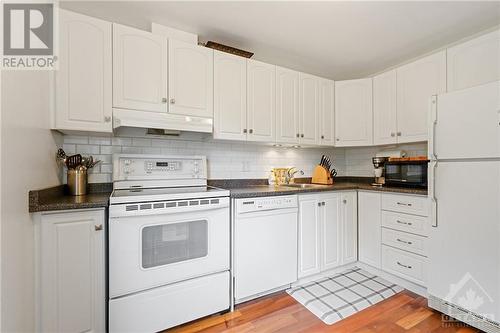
[265,203]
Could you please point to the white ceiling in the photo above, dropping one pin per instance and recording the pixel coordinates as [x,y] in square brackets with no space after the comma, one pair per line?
[338,40]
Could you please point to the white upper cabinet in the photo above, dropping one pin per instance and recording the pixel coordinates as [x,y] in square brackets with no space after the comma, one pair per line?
[190,79]
[326,125]
[230,96]
[416,83]
[139,70]
[287,105]
[353,113]
[84,78]
[261,101]
[308,108]
[474,62]
[384,108]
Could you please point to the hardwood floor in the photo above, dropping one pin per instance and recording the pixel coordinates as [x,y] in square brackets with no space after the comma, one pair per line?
[404,312]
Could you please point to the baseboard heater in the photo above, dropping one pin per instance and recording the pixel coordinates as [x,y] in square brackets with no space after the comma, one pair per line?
[463,315]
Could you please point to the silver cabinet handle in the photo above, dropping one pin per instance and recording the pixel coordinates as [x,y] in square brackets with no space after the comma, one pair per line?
[402,265]
[344,201]
[98,227]
[337,139]
[322,136]
[164,100]
[107,119]
[403,241]
[404,204]
[298,135]
[244,130]
[250,131]
[405,223]
[323,203]
[393,134]
[302,135]
[172,101]
[319,204]
[398,133]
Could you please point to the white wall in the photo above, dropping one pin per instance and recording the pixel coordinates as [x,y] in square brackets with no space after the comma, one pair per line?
[28,148]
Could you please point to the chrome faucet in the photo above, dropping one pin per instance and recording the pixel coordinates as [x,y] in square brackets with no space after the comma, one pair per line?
[290,174]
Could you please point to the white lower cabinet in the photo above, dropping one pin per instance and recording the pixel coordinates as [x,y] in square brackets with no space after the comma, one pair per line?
[71,286]
[349,227]
[327,231]
[369,222]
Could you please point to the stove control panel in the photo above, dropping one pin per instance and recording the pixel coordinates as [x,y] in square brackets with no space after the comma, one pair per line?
[158,167]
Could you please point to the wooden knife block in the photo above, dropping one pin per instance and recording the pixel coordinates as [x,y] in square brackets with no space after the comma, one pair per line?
[321,176]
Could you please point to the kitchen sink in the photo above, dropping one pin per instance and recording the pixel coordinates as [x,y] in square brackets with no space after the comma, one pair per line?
[304,186]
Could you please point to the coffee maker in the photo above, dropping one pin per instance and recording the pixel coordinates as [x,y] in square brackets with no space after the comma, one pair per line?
[378,164]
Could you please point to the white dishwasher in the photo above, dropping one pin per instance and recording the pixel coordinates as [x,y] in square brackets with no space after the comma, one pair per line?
[265,245]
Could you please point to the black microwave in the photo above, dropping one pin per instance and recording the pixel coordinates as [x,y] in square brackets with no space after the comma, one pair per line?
[406,173]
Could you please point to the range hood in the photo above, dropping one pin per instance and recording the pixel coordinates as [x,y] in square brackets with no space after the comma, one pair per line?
[160,120]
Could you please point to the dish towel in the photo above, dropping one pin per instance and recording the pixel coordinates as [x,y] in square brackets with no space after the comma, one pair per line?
[334,298]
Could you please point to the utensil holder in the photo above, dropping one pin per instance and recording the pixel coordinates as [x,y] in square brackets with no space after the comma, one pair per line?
[77,181]
[321,176]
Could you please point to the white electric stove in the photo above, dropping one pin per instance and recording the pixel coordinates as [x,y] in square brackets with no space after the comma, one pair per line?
[168,243]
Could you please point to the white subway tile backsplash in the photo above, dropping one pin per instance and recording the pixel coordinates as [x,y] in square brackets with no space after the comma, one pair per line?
[87,149]
[229,159]
[97,140]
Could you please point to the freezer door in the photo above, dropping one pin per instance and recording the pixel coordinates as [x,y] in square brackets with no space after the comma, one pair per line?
[468,123]
[464,254]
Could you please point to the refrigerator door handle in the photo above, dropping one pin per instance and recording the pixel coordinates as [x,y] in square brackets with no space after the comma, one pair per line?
[432,192]
[432,130]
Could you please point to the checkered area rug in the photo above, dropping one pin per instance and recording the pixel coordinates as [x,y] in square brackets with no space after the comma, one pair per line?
[335,298]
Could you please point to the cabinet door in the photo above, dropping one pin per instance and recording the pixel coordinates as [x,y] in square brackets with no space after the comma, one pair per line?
[369,219]
[287,105]
[416,83]
[83,80]
[308,108]
[72,285]
[309,236]
[353,113]
[384,109]
[230,96]
[139,69]
[330,231]
[326,111]
[475,62]
[349,227]
[190,79]
[261,101]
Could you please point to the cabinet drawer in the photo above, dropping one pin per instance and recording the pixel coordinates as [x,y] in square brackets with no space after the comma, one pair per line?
[405,241]
[406,265]
[406,204]
[410,223]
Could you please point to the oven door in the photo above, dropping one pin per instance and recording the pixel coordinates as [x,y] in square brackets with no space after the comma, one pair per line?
[153,249]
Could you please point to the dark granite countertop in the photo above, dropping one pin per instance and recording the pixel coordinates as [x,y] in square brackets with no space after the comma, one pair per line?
[258,187]
[57,198]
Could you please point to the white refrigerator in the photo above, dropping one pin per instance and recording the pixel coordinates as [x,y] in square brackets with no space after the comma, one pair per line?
[464,187]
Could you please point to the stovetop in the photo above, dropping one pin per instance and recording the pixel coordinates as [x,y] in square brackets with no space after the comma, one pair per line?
[165,193]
